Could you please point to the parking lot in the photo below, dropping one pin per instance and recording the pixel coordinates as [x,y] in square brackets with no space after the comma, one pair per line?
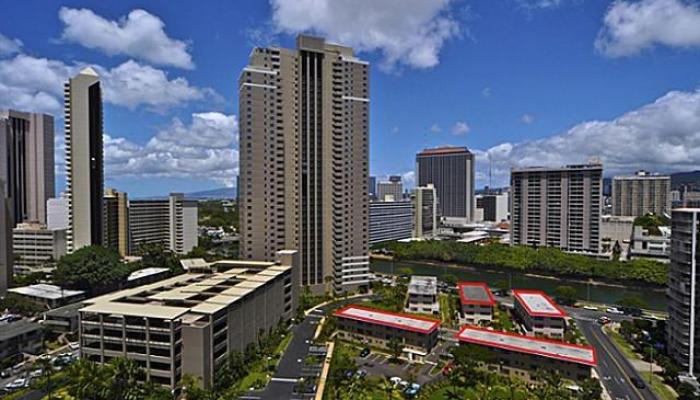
[378,364]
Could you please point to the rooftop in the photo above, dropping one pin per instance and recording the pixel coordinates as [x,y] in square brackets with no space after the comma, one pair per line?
[475,293]
[390,319]
[45,291]
[561,168]
[14,329]
[444,150]
[538,304]
[142,273]
[524,344]
[424,285]
[71,310]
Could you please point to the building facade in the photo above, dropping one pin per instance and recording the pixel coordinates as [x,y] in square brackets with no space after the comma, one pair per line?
[477,303]
[171,222]
[539,314]
[557,207]
[425,203]
[6,256]
[372,191]
[57,213]
[190,323]
[37,248]
[20,337]
[84,160]
[451,171]
[390,220]
[116,221]
[390,191]
[423,295]
[304,117]
[27,163]
[683,292]
[652,244]
[641,194]
[494,207]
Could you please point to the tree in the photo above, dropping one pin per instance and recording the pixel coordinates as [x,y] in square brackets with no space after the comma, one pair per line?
[616,251]
[565,295]
[633,301]
[686,391]
[590,389]
[156,255]
[450,279]
[95,269]
[396,349]
[405,271]
[193,390]
[46,372]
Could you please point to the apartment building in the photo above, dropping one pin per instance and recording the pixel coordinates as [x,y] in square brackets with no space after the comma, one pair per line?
[304,117]
[425,203]
[390,220]
[523,357]
[423,295]
[37,248]
[391,190]
[6,256]
[379,328]
[188,324]
[539,314]
[84,159]
[451,171]
[683,329]
[27,163]
[557,207]
[641,194]
[477,303]
[171,222]
[116,221]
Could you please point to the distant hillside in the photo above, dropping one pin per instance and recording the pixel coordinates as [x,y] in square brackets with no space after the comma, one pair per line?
[214,194]
[686,178]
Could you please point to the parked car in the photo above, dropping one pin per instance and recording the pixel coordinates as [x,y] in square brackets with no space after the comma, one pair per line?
[74,345]
[361,373]
[592,308]
[412,390]
[19,383]
[614,310]
[365,352]
[395,380]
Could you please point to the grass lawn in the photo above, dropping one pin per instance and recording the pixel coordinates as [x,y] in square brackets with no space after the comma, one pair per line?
[256,379]
[282,347]
[658,386]
[622,344]
[504,320]
[447,308]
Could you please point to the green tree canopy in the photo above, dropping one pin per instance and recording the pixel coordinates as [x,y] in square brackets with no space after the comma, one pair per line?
[565,295]
[94,269]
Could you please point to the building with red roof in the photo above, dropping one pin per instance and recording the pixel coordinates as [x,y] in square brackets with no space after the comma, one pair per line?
[476,302]
[539,314]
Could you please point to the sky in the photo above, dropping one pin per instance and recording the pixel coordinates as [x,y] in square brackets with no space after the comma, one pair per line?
[519,82]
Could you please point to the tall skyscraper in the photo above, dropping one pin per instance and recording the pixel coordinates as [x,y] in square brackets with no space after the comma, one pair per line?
[557,207]
[304,160]
[27,163]
[116,221]
[84,160]
[6,256]
[426,205]
[641,194]
[451,171]
[683,327]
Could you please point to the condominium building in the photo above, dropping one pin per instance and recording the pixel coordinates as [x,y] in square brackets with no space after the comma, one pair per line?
[539,314]
[171,222]
[390,190]
[27,162]
[84,159]
[304,117]
[451,171]
[557,207]
[190,323]
[37,248]
[494,207]
[641,194]
[116,221]
[6,256]
[683,329]
[423,295]
[523,357]
[477,303]
[390,220]
[416,335]
[425,203]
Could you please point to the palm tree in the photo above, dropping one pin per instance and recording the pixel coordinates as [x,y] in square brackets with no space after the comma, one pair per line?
[86,380]
[47,371]
[125,376]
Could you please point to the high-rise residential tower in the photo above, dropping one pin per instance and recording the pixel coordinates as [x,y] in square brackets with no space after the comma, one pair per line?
[683,327]
[27,163]
[557,207]
[641,194]
[451,170]
[116,221]
[84,160]
[304,117]
[171,222]
[6,256]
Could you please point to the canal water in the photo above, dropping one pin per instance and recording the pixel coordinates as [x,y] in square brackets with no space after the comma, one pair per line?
[599,293]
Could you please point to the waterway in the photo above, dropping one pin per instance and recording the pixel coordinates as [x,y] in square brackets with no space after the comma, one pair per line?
[594,292]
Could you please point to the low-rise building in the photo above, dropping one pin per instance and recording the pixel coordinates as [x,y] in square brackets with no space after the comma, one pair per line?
[539,314]
[423,295]
[37,248]
[615,230]
[51,296]
[20,337]
[477,303]
[63,319]
[519,356]
[417,335]
[190,323]
[147,275]
[652,243]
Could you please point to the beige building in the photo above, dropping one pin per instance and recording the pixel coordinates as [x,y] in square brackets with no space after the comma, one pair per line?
[477,303]
[116,221]
[171,222]
[641,194]
[304,118]
[390,191]
[37,248]
[84,160]
[521,357]
[557,207]
[539,314]
[27,163]
[189,323]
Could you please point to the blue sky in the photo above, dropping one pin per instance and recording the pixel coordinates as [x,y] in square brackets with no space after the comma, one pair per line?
[521,82]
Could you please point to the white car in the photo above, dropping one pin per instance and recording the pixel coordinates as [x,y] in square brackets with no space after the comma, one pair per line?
[395,380]
[592,308]
[74,345]
[19,383]
[614,310]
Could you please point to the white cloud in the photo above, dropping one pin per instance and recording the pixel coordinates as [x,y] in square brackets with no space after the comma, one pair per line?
[486,92]
[139,34]
[32,83]
[435,128]
[630,27]
[395,129]
[408,179]
[204,149]
[460,128]
[527,119]
[407,32]
[540,4]
[662,136]
[9,46]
